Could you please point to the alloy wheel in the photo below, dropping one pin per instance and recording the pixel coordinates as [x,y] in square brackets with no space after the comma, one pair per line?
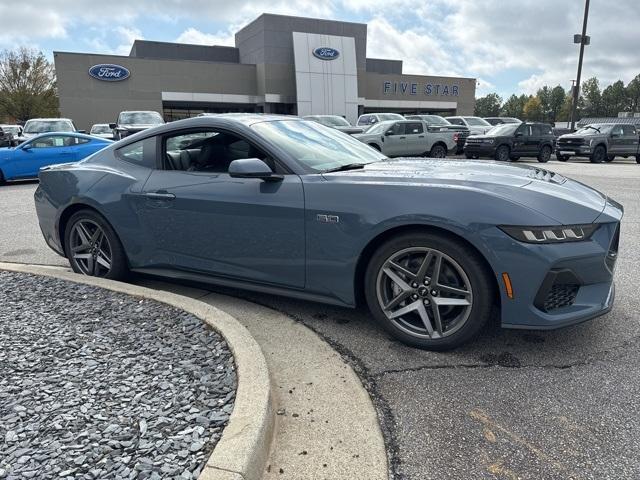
[424,292]
[90,248]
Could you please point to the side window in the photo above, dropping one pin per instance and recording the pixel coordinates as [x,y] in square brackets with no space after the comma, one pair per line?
[413,128]
[629,130]
[617,130]
[209,151]
[456,121]
[397,129]
[364,120]
[142,153]
[50,141]
[525,130]
[536,130]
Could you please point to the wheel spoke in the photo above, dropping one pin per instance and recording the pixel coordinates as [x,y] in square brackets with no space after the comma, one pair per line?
[396,278]
[448,289]
[406,309]
[454,302]
[435,276]
[82,256]
[80,248]
[102,260]
[90,265]
[424,316]
[83,233]
[422,272]
[400,269]
[397,300]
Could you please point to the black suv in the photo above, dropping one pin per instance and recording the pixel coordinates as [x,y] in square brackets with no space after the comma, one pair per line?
[511,141]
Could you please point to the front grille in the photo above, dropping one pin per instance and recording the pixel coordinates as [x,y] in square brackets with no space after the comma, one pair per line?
[475,141]
[561,295]
[612,254]
[569,142]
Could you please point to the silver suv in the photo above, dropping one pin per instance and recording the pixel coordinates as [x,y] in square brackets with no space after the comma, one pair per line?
[405,138]
[476,125]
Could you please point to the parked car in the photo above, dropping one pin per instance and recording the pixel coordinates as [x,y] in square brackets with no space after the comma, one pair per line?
[335,121]
[476,125]
[369,119]
[12,131]
[600,142]
[37,126]
[501,120]
[263,202]
[102,130]
[460,132]
[130,122]
[24,161]
[406,138]
[510,141]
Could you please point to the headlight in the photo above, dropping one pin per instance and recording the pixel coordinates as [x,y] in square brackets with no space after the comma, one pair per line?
[555,234]
[489,141]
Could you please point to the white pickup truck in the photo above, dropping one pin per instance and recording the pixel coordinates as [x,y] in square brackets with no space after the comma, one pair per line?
[407,138]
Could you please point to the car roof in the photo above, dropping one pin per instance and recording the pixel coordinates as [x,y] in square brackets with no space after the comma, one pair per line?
[50,119]
[99,125]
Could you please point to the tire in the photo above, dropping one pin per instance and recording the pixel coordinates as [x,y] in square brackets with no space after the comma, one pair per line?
[637,158]
[469,156]
[598,155]
[610,158]
[461,269]
[438,151]
[81,237]
[502,153]
[544,155]
[562,158]
[2,180]
[514,158]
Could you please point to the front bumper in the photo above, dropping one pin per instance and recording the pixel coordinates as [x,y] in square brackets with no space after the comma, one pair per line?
[480,149]
[556,285]
[575,151]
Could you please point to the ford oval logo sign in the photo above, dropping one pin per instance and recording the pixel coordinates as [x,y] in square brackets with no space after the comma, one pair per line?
[109,73]
[326,53]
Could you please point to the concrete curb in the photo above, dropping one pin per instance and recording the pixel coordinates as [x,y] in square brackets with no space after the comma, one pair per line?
[243,450]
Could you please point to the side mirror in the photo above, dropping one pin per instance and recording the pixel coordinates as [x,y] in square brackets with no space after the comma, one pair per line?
[112,126]
[519,134]
[26,146]
[388,132]
[81,131]
[253,168]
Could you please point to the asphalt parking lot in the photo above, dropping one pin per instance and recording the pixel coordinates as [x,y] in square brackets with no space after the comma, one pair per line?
[512,404]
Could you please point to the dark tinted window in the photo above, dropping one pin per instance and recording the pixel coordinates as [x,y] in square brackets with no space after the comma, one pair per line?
[413,128]
[617,130]
[365,120]
[524,130]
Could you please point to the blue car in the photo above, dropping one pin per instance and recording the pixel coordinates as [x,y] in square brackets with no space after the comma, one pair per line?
[290,207]
[24,162]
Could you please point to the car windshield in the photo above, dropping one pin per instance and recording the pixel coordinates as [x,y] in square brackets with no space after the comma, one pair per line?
[333,121]
[140,118]
[595,129]
[44,126]
[503,130]
[476,121]
[390,116]
[316,146]
[11,130]
[100,129]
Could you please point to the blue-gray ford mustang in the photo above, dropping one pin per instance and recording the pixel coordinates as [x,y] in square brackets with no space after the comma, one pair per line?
[287,206]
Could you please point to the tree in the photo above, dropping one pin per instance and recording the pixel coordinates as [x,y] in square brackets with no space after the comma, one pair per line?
[633,95]
[564,115]
[27,85]
[514,106]
[556,102]
[488,106]
[533,109]
[614,99]
[592,98]
[544,95]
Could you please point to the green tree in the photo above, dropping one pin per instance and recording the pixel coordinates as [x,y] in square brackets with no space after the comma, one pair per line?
[514,106]
[27,85]
[633,95]
[544,95]
[614,99]
[592,98]
[556,102]
[533,109]
[488,106]
[564,115]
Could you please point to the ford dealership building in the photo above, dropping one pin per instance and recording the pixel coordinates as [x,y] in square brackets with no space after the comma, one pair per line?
[280,64]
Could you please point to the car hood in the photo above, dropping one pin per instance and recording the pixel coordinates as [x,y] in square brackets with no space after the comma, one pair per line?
[564,200]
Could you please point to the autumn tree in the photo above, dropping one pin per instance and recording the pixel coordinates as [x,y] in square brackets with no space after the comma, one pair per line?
[533,109]
[27,85]
[556,102]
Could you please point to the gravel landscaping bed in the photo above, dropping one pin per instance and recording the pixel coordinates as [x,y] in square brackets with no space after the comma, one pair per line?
[97,384]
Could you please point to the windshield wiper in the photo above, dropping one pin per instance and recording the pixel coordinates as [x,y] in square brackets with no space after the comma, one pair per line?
[343,168]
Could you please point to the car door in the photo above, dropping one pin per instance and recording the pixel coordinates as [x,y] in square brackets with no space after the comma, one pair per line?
[415,138]
[535,140]
[31,156]
[523,144]
[617,141]
[395,140]
[633,140]
[204,220]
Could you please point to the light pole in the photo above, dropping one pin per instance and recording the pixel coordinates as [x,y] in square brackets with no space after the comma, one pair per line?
[582,40]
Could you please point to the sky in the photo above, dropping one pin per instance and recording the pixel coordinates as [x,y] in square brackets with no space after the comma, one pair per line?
[510,46]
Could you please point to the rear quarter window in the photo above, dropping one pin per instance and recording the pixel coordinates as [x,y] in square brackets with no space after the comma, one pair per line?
[142,153]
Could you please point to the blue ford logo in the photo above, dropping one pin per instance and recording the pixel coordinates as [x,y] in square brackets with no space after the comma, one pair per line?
[326,53]
[109,72]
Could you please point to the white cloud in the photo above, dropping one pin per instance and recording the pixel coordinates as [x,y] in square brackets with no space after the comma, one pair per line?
[195,36]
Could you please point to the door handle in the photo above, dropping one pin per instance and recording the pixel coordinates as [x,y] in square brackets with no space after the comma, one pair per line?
[420,136]
[403,137]
[161,195]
